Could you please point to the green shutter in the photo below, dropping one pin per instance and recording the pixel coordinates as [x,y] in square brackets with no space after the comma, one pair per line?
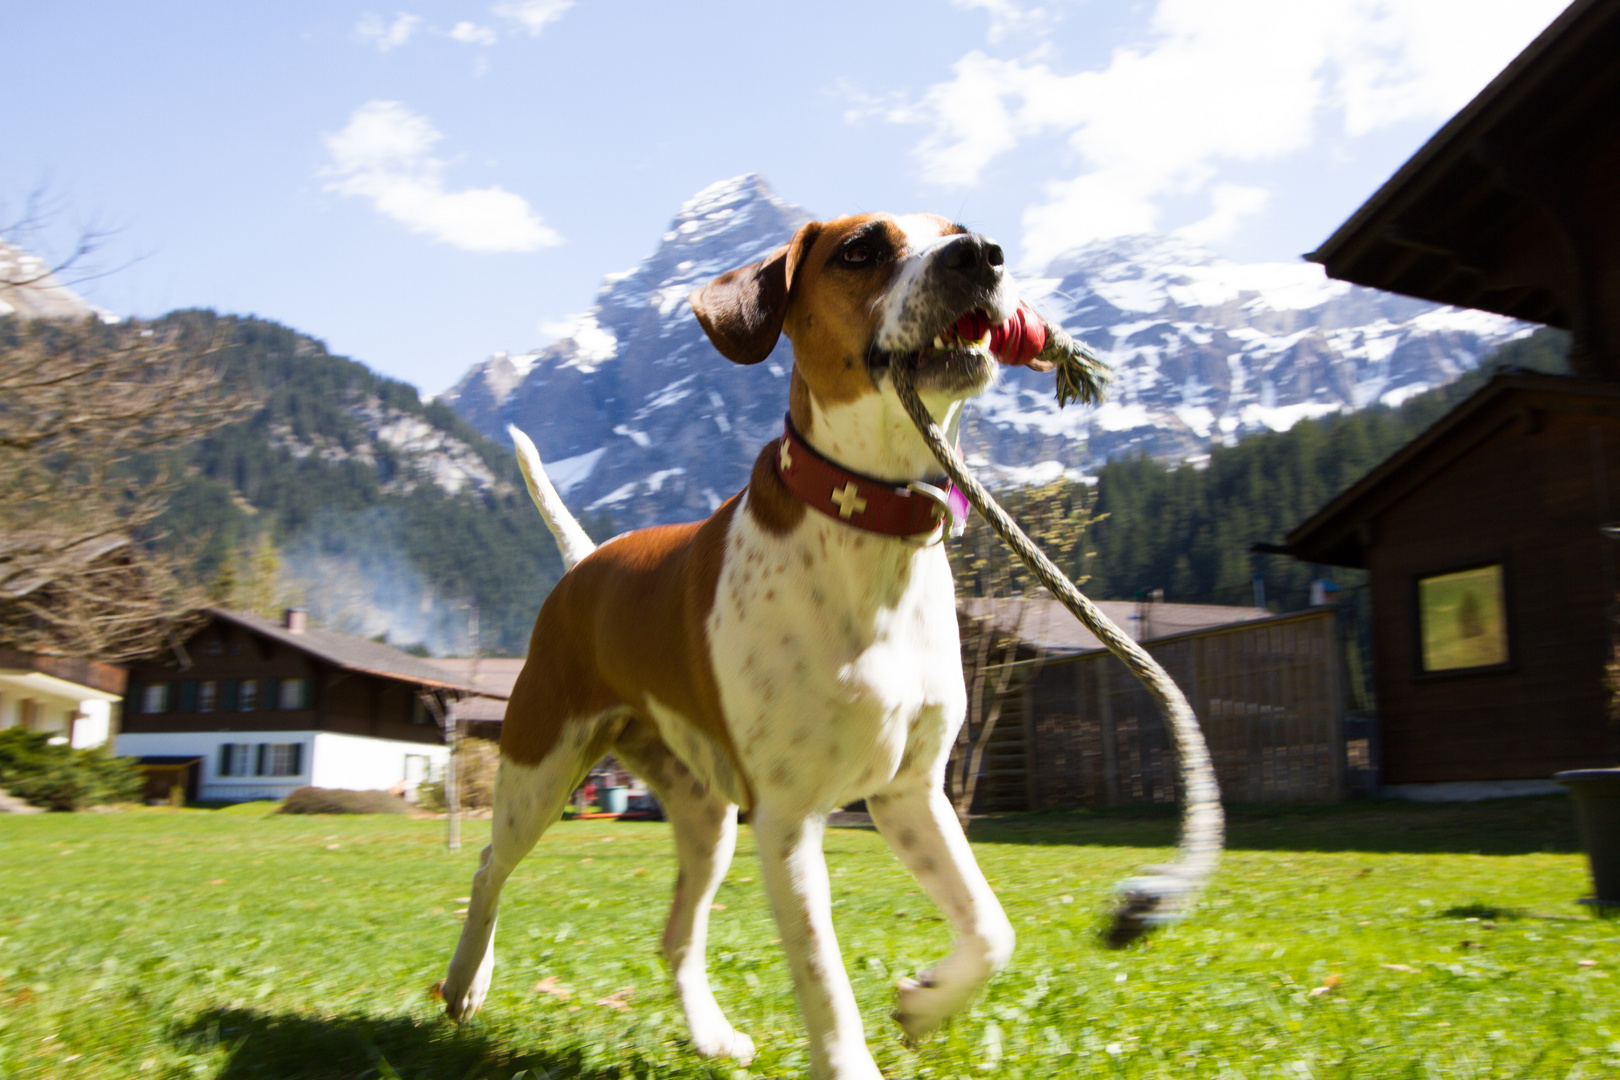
[227,695]
[296,765]
[188,696]
[267,694]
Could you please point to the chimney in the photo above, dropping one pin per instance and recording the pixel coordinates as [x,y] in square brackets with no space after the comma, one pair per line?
[294,620]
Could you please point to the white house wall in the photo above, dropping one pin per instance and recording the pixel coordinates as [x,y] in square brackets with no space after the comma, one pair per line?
[365,764]
[60,707]
[329,760]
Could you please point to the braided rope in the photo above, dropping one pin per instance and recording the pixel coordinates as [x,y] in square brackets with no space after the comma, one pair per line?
[1159,894]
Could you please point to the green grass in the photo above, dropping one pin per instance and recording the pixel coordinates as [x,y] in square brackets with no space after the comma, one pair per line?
[230,945]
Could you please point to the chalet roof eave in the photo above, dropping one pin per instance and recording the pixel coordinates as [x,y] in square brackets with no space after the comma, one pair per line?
[410,669]
[1457,136]
[1320,534]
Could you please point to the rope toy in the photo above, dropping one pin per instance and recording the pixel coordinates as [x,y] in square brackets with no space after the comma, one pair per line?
[1158,894]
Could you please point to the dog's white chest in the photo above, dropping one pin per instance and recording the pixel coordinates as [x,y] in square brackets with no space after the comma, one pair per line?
[837,658]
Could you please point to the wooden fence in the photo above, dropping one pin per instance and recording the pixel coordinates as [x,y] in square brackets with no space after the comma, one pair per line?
[1081,731]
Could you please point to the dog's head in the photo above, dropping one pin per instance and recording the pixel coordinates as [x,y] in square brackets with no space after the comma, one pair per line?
[856,293]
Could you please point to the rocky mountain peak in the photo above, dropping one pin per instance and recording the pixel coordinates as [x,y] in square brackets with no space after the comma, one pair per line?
[638,416]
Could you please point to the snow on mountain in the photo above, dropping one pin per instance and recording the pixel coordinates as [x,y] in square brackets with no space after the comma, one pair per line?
[637,416]
[29,290]
[1206,350]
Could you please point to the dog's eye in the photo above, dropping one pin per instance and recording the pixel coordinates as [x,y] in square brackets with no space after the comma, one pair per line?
[859,253]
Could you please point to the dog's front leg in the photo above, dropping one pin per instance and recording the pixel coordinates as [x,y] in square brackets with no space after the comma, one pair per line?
[795,872]
[921,826]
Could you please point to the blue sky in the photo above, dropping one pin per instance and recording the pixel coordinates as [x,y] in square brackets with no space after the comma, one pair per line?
[422,184]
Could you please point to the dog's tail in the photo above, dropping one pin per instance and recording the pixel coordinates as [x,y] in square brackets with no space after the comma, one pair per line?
[571,539]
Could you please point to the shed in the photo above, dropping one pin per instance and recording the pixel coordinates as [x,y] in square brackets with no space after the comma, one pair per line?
[1492,589]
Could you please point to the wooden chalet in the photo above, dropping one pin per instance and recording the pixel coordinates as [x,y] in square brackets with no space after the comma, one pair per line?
[1492,586]
[264,707]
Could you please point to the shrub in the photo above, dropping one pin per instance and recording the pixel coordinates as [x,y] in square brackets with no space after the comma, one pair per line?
[58,777]
[478,759]
[316,800]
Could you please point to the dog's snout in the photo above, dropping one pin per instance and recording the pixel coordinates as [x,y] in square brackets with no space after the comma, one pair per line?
[973,255]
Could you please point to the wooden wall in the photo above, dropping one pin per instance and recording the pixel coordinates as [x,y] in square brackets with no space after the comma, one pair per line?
[1081,731]
[1528,487]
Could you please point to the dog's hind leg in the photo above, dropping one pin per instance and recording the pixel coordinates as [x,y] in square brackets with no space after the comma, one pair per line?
[705,826]
[528,800]
[921,826]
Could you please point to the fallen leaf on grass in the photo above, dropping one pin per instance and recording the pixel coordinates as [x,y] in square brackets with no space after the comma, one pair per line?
[608,839]
[1586,963]
[436,991]
[1329,984]
[333,847]
[616,1000]
[717,907]
[587,859]
[463,900]
[22,997]
[216,881]
[550,985]
[1400,967]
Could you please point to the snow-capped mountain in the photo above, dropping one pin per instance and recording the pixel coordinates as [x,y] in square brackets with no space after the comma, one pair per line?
[1204,350]
[29,290]
[638,416]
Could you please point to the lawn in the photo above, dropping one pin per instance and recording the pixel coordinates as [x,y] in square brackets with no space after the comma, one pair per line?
[1372,940]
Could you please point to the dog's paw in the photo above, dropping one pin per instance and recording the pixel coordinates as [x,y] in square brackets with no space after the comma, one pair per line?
[463,1005]
[729,1043]
[923,1005]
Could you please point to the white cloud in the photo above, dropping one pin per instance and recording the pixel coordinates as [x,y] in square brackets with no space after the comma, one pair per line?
[1007,16]
[1231,203]
[374,30]
[532,15]
[472,34]
[385,155]
[1214,82]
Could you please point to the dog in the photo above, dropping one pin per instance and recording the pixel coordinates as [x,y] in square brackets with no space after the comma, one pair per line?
[796,651]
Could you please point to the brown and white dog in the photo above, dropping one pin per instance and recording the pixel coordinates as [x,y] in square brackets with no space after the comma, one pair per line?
[777,656]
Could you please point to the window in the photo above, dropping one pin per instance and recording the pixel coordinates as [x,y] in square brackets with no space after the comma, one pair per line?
[155,698]
[207,696]
[1463,619]
[236,759]
[280,759]
[295,694]
[247,694]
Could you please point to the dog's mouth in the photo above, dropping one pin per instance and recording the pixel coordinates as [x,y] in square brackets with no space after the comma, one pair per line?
[962,356]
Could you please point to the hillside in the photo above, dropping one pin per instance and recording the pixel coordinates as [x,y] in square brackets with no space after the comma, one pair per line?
[387,515]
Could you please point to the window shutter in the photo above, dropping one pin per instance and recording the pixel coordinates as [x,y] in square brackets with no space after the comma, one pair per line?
[295,760]
[188,696]
[228,696]
[259,765]
[225,759]
[268,694]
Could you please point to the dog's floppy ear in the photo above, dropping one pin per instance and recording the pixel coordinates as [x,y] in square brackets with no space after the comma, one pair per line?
[742,310]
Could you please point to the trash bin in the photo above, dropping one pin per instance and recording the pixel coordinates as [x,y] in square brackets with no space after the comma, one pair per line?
[1596,793]
[614,800]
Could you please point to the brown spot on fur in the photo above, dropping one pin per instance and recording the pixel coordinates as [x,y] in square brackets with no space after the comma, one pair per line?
[808,560]
[627,623]
[776,509]
[908,838]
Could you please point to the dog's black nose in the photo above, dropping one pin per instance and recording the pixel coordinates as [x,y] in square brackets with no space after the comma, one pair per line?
[972,253]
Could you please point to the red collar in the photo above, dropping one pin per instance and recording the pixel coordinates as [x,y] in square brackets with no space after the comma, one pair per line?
[878,506]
